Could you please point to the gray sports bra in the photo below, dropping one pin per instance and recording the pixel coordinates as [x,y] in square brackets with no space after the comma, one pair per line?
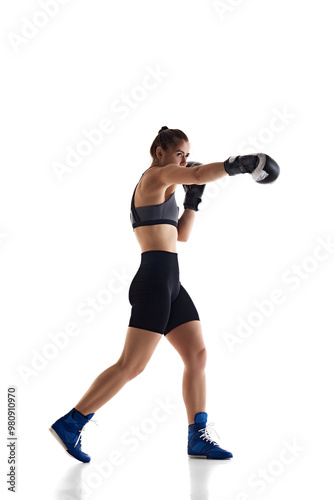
[164,213]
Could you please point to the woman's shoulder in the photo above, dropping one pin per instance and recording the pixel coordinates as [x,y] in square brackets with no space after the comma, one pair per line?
[150,178]
[150,189]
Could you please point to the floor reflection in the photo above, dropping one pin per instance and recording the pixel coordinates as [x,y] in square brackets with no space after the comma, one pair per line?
[70,485]
[201,473]
[206,480]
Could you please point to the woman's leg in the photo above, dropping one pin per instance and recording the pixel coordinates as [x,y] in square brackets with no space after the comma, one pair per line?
[188,341]
[138,349]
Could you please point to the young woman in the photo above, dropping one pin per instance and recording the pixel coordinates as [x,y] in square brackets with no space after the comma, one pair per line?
[160,304]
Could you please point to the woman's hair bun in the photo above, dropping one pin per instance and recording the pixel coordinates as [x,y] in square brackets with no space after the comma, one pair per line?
[164,141]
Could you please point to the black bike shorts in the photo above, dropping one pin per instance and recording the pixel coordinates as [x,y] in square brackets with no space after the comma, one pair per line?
[159,301]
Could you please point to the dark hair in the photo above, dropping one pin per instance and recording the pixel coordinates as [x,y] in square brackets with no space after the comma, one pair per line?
[167,137]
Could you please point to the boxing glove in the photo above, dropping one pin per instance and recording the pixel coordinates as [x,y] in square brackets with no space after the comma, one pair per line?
[262,167]
[193,192]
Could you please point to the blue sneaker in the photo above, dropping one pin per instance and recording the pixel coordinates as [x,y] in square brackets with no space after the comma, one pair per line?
[67,430]
[200,443]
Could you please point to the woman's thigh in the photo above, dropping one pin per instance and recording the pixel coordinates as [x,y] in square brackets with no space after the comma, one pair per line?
[182,310]
[138,348]
[150,296]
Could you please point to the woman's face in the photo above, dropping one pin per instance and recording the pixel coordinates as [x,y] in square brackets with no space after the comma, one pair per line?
[174,154]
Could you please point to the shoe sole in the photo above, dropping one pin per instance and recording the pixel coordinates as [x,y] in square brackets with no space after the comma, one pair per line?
[55,435]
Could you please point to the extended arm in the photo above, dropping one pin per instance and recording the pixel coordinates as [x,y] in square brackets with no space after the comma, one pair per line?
[262,167]
[198,175]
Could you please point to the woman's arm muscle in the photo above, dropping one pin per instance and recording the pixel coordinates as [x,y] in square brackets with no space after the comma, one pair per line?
[175,174]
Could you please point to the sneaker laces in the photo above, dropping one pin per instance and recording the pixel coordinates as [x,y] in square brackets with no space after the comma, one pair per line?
[79,437]
[205,434]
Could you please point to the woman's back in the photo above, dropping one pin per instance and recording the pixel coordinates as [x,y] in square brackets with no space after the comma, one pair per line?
[149,192]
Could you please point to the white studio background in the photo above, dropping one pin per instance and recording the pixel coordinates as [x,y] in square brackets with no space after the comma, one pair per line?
[236,76]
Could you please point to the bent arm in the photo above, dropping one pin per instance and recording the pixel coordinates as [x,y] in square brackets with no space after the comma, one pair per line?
[185,224]
[175,174]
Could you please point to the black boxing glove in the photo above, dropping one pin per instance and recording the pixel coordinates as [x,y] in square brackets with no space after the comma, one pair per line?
[262,167]
[193,192]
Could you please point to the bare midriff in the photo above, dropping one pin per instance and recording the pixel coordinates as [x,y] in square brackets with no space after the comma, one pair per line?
[157,237]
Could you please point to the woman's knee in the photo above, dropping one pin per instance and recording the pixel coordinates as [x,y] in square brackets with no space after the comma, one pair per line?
[131,370]
[137,351]
[196,359]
